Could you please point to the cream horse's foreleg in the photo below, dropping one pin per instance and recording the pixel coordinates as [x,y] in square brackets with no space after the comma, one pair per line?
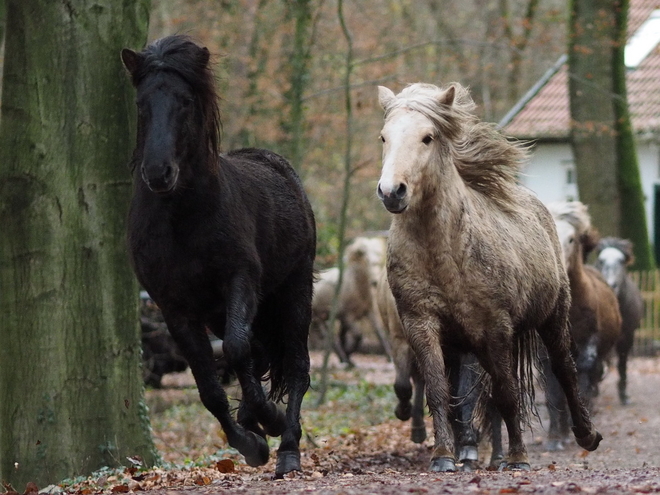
[423,334]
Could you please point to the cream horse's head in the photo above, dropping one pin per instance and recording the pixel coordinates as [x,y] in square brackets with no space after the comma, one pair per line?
[410,140]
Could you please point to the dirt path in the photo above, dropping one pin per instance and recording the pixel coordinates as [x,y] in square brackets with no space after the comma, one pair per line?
[381,459]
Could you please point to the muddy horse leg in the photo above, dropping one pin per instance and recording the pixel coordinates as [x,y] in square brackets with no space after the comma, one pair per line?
[501,365]
[425,343]
[555,335]
[418,427]
[555,401]
[194,344]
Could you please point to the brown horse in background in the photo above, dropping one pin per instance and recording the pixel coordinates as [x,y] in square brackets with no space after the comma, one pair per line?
[594,315]
[474,263]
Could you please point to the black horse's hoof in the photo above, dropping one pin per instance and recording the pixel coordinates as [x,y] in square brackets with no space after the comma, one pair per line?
[257,453]
[443,465]
[403,411]
[418,434]
[590,442]
[277,425]
[518,466]
[497,464]
[286,462]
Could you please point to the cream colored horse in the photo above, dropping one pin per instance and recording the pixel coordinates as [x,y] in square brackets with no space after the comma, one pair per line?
[474,263]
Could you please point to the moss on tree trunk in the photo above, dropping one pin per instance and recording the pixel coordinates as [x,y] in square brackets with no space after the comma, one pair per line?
[71,394]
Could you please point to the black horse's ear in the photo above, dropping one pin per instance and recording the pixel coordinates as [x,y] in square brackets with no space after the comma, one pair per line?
[204,56]
[131,60]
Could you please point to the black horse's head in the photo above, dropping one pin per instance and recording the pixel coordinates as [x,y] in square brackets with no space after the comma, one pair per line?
[178,118]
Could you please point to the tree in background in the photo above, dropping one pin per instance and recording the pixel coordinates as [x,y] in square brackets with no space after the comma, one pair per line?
[601,134]
[301,12]
[71,392]
[633,214]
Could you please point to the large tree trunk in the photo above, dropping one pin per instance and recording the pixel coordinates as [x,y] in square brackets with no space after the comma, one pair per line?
[71,394]
[591,38]
[633,214]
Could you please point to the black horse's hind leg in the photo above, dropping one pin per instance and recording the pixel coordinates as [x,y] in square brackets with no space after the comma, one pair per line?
[465,385]
[194,343]
[555,335]
[293,310]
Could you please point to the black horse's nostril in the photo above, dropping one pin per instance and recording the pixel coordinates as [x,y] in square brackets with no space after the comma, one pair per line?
[400,192]
[168,172]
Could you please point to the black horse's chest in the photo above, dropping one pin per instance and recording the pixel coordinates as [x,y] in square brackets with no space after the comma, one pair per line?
[182,266]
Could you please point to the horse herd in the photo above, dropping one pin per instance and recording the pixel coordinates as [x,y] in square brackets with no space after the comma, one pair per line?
[481,282]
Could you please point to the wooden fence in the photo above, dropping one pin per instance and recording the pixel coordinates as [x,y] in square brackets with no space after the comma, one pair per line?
[647,337]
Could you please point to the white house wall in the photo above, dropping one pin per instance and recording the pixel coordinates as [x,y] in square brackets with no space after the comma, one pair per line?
[546,174]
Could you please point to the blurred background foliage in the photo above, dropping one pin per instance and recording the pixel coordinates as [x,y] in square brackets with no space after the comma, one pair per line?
[269,51]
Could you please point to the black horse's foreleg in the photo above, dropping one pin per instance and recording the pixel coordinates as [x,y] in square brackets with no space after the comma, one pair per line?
[194,343]
[255,408]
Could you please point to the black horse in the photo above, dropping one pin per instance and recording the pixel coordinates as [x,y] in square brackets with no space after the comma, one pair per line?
[224,242]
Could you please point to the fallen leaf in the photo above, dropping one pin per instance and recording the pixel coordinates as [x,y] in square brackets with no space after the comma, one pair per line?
[31,489]
[120,489]
[225,466]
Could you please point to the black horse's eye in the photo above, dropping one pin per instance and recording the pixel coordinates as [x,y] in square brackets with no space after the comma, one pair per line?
[427,139]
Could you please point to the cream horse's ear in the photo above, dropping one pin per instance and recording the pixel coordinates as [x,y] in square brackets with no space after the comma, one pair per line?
[385,96]
[447,98]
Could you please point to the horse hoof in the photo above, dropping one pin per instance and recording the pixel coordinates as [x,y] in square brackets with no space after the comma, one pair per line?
[443,465]
[518,466]
[590,442]
[554,445]
[498,464]
[469,465]
[286,462]
[403,411]
[278,425]
[418,434]
[258,450]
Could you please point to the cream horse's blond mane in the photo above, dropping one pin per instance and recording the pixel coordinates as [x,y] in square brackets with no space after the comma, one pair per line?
[487,161]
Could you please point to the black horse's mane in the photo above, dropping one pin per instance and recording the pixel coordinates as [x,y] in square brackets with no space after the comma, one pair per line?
[180,55]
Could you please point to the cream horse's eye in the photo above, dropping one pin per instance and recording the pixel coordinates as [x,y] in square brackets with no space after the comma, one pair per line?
[382,138]
[427,139]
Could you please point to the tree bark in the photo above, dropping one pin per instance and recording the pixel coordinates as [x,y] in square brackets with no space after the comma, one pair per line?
[71,393]
[299,79]
[593,134]
[633,214]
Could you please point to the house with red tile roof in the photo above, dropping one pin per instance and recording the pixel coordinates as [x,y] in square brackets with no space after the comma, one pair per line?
[543,117]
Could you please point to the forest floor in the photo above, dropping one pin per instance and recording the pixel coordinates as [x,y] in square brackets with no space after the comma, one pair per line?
[354,445]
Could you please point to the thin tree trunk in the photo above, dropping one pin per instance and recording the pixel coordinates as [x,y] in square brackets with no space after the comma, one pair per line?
[348,172]
[299,63]
[71,392]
